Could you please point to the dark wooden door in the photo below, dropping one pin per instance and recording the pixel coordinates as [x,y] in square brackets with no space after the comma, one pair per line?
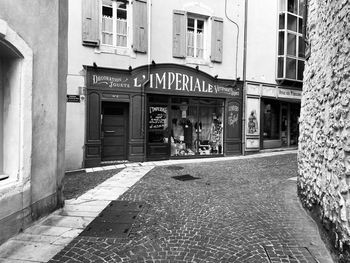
[114,131]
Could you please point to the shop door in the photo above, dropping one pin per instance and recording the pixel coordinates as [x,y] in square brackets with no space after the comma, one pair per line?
[114,131]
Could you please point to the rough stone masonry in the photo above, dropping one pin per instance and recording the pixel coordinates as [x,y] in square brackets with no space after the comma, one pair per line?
[324,149]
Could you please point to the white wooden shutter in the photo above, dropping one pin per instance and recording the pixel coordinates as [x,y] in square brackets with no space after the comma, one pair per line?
[140,26]
[90,23]
[217,39]
[179,34]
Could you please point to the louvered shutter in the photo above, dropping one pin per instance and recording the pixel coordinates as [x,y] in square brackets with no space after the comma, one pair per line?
[179,34]
[140,26]
[217,39]
[90,23]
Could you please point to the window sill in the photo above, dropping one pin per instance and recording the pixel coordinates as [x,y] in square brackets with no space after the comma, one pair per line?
[198,61]
[122,51]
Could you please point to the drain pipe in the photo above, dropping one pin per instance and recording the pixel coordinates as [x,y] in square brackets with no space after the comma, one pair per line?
[237,38]
[244,75]
[143,95]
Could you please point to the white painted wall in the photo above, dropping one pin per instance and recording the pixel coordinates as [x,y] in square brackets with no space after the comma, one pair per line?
[262,40]
[160,52]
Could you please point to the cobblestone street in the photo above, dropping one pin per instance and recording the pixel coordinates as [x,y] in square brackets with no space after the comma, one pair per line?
[237,211]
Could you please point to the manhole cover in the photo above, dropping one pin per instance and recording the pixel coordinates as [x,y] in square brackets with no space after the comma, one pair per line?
[185,177]
[116,220]
[293,254]
[175,168]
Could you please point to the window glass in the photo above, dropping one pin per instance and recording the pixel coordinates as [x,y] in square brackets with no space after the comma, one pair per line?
[293,6]
[282,5]
[300,27]
[158,131]
[300,69]
[197,129]
[291,68]
[291,44]
[280,67]
[281,20]
[301,7]
[281,43]
[114,23]
[292,23]
[195,37]
[271,127]
[301,50]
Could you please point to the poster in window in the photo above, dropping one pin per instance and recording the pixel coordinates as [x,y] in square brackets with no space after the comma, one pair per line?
[253,116]
[157,117]
[233,121]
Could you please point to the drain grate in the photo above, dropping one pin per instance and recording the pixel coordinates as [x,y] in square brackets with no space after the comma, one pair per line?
[174,168]
[292,254]
[116,220]
[185,177]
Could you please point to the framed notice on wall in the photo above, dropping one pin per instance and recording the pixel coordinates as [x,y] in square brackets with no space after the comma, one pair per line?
[253,116]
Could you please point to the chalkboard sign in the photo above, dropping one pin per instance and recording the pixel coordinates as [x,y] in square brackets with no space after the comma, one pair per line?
[233,123]
[157,117]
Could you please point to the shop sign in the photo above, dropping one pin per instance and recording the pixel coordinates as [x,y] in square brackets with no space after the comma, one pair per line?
[269,91]
[169,79]
[185,84]
[73,98]
[233,124]
[110,81]
[157,117]
[290,94]
[253,89]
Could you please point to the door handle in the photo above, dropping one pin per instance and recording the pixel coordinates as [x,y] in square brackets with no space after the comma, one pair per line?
[109,131]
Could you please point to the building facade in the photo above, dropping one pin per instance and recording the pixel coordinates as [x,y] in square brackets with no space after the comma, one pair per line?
[324,150]
[274,64]
[152,80]
[32,110]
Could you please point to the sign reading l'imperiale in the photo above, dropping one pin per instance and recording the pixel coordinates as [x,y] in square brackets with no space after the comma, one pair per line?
[176,81]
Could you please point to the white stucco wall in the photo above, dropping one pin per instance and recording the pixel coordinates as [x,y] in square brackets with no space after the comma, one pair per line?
[262,40]
[160,51]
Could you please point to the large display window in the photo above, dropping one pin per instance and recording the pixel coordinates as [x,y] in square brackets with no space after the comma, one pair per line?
[190,126]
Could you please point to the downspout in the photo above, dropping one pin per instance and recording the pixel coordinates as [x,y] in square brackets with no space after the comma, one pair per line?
[244,74]
[143,95]
[237,38]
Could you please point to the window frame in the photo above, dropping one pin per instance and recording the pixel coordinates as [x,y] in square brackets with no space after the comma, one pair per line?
[114,47]
[299,57]
[205,57]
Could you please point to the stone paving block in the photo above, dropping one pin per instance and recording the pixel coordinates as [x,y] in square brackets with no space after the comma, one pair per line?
[64,212]
[47,230]
[85,204]
[27,251]
[67,221]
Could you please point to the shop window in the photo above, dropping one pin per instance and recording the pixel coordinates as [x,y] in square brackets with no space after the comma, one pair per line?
[114,25]
[271,122]
[291,47]
[197,129]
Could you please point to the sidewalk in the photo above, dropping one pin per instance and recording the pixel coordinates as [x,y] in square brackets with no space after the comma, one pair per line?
[51,234]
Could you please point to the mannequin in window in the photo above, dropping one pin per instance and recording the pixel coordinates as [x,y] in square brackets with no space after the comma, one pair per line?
[177,131]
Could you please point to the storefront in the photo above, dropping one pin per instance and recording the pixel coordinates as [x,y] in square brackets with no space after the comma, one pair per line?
[159,112]
[272,117]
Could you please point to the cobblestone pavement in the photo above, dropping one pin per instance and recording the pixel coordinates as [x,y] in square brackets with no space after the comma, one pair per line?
[238,211]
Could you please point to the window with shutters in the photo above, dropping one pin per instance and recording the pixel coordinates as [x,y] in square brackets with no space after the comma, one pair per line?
[114,23]
[291,47]
[195,37]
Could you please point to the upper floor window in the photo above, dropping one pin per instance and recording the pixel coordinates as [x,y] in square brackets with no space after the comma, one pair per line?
[291,47]
[192,35]
[107,22]
[114,25]
[195,37]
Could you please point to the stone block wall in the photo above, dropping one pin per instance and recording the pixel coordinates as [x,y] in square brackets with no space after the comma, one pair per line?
[324,148]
